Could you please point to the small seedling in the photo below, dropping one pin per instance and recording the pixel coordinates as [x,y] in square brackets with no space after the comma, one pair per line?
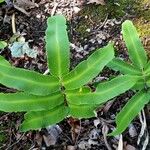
[139,66]
[48,99]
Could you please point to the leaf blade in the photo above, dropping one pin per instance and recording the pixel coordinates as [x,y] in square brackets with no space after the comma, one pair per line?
[57,46]
[21,102]
[41,119]
[3,44]
[88,111]
[124,67]
[104,92]
[130,110]
[136,50]
[28,81]
[4,62]
[89,68]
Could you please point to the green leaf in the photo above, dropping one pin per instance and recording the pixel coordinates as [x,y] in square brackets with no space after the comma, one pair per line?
[130,111]
[104,91]
[87,110]
[42,119]
[124,67]
[148,82]
[3,44]
[2,1]
[82,111]
[136,50]
[17,102]
[139,85]
[147,68]
[57,46]
[28,81]
[89,68]
[4,62]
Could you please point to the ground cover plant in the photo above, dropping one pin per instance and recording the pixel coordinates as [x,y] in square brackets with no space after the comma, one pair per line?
[48,99]
[138,66]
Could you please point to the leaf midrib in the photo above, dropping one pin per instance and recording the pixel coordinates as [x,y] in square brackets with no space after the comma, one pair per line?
[58,51]
[119,122]
[134,45]
[49,84]
[29,100]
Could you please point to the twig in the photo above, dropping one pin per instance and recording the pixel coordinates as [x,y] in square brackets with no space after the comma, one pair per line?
[104,22]
[16,142]
[143,130]
[104,132]
[54,9]
[78,133]
[67,137]
[8,90]
[10,135]
[146,142]
[13,23]
[120,145]
[46,72]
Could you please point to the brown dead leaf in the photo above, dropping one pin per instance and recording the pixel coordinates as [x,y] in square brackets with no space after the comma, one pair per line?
[25,4]
[49,140]
[129,147]
[38,139]
[97,2]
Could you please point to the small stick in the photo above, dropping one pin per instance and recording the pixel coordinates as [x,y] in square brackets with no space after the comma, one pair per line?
[54,9]
[104,132]
[46,72]
[16,142]
[143,130]
[76,142]
[104,22]
[13,23]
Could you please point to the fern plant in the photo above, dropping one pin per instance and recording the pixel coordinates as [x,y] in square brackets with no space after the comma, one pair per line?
[138,66]
[48,99]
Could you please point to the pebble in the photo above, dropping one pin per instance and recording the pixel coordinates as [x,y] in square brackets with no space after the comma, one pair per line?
[132,130]
[88,30]
[76,9]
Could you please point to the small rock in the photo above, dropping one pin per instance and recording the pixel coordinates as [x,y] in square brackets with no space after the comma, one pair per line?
[132,131]
[92,41]
[92,142]
[38,16]
[76,9]
[99,41]
[86,17]
[88,30]
[96,122]
[70,147]
[49,140]
[83,145]
[130,147]
[94,134]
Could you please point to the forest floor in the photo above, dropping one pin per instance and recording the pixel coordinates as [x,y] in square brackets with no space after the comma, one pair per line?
[90,26]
